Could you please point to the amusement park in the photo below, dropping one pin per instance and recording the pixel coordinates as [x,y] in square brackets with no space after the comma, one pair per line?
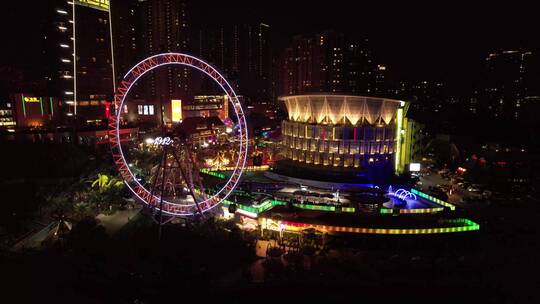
[166,149]
[362,140]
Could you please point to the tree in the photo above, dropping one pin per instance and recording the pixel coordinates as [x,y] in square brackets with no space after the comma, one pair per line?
[106,193]
[104,182]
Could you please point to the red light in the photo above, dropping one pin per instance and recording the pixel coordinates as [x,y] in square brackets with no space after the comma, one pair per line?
[107,109]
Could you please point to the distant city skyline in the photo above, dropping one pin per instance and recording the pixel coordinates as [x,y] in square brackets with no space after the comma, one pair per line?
[414,41]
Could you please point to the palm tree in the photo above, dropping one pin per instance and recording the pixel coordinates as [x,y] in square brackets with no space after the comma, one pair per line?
[103,182]
[109,192]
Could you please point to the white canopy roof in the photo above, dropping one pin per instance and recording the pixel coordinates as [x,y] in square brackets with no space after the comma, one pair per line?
[340,109]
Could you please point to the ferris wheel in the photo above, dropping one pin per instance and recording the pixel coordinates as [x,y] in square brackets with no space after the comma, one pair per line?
[176,188]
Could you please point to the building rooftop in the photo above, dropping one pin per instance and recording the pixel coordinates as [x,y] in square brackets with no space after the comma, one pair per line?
[340,109]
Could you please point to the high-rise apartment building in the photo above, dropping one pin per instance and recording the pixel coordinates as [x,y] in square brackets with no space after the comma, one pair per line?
[128,21]
[328,62]
[165,29]
[505,83]
[79,58]
[243,53]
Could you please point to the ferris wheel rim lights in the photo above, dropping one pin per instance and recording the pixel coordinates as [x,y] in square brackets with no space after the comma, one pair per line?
[130,78]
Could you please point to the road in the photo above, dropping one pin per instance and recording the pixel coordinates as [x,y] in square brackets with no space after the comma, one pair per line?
[457,196]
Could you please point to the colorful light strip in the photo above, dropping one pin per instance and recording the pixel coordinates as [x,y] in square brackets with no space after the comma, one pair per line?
[386,211]
[433,199]
[411,211]
[247,168]
[421,210]
[23,105]
[41,105]
[397,155]
[212,173]
[51,104]
[466,225]
[269,204]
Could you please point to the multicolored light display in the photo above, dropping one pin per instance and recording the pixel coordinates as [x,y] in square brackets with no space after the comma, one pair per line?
[454,225]
[464,225]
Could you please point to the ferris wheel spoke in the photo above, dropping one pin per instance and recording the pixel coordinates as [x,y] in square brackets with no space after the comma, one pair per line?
[189,184]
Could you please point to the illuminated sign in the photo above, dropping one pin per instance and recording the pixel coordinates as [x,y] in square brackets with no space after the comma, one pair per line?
[163,141]
[31,99]
[102,5]
[176,106]
[414,167]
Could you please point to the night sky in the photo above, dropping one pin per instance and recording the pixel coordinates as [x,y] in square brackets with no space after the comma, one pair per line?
[422,40]
[417,41]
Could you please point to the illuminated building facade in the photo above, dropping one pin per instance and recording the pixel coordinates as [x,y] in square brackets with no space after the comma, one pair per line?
[362,136]
[206,106]
[203,130]
[142,110]
[165,29]
[29,111]
[127,33]
[7,116]
[80,58]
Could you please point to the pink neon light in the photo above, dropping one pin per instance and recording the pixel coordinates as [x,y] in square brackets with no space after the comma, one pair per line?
[123,89]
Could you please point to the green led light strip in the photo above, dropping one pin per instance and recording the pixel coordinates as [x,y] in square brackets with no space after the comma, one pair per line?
[51,104]
[386,211]
[212,173]
[23,105]
[433,199]
[269,204]
[41,105]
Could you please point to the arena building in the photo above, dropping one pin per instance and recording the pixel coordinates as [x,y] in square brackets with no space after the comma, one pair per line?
[343,138]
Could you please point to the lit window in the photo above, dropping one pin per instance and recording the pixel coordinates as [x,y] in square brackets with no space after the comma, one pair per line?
[125,109]
[140,109]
